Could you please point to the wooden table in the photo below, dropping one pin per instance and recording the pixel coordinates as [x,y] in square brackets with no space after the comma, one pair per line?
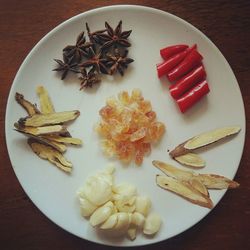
[24,23]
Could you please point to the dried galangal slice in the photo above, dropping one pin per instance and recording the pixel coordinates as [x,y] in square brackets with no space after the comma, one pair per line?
[210,181]
[184,189]
[39,120]
[63,139]
[28,106]
[204,139]
[48,136]
[191,160]
[46,105]
[53,129]
[50,154]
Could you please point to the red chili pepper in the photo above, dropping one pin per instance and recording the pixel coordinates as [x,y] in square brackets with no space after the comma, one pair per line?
[165,67]
[193,96]
[172,50]
[187,82]
[192,60]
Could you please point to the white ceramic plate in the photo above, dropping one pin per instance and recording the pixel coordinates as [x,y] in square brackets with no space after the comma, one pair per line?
[54,192]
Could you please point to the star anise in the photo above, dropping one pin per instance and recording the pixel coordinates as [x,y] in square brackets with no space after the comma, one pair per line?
[88,79]
[115,36]
[77,51]
[94,37]
[118,62]
[66,65]
[95,60]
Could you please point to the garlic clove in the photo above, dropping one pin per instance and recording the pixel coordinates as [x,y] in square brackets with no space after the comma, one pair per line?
[97,191]
[110,222]
[87,208]
[125,189]
[122,221]
[131,233]
[125,204]
[142,205]
[152,224]
[138,219]
[100,215]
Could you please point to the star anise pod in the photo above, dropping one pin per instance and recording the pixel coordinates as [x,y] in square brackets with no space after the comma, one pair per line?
[94,37]
[78,50]
[66,65]
[115,36]
[118,62]
[88,79]
[95,60]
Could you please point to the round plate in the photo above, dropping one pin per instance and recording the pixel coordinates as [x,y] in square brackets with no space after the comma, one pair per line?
[53,191]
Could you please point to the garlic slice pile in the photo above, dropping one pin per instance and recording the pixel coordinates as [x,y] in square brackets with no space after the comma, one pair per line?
[116,208]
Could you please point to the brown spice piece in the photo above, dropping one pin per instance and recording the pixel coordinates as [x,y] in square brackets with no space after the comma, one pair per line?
[78,51]
[66,65]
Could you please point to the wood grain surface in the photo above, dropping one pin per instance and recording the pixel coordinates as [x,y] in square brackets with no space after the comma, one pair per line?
[24,23]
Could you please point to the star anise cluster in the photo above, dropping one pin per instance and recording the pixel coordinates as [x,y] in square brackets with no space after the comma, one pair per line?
[99,52]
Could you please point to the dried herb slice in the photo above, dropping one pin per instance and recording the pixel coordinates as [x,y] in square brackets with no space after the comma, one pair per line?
[185,190]
[46,105]
[50,154]
[56,145]
[28,106]
[53,129]
[66,140]
[39,120]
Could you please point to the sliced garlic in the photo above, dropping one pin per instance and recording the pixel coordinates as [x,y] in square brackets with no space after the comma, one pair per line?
[138,219]
[100,215]
[142,205]
[152,224]
[87,208]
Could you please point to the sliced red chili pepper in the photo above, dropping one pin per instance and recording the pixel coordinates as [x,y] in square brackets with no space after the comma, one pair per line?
[187,82]
[165,67]
[191,60]
[172,50]
[193,96]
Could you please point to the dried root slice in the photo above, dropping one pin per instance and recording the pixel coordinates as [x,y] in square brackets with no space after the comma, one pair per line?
[169,170]
[56,145]
[29,107]
[46,105]
[204,139]
[191,160]
[62,139]
[213,181]
[39,120]
[185,190]
[53,129]
[50,154]
[198,185]
[210,181]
